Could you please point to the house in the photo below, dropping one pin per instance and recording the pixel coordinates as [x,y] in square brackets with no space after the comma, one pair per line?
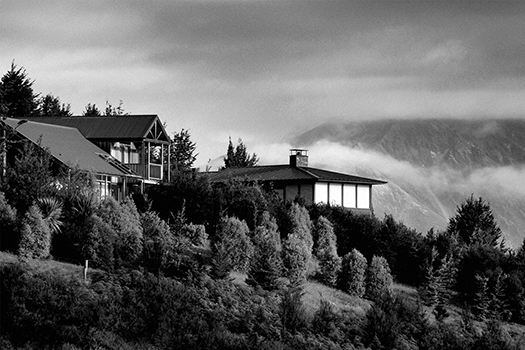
[313,184]
[69,148]
[138,141]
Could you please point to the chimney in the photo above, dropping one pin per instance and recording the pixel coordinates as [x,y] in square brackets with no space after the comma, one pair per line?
[298,157]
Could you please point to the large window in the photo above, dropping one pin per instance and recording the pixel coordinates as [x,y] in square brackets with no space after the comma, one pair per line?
[349,196]
[335,193]
[363,196]
[321,192]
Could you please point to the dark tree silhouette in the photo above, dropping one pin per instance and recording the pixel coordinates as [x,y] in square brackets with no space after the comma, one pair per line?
[17,99]
[238,157]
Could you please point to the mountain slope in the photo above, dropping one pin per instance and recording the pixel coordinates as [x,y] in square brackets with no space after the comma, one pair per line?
[433,165]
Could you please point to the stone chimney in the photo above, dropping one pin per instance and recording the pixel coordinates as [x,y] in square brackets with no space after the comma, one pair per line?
[298,157]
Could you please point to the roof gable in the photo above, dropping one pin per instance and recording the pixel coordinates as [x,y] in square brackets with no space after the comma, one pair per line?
[118,128]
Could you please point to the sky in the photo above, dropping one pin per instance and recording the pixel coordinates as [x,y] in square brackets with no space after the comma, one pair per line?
[264,71]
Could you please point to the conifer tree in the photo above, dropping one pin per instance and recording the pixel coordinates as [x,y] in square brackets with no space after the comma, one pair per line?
[326,251]
[238,157]
[474,223]
[182,154]
[232,249]
[50,106]
[352,278]
[17,99]
[379,281]
[481,301]
[266,264]
[296,257]
[35,235]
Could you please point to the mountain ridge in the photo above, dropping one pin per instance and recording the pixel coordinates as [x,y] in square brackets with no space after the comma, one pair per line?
[433,165]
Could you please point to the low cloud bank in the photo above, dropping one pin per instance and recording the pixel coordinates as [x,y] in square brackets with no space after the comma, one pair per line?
[434,187]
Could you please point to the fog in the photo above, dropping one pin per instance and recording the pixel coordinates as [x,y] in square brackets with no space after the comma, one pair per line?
[421,197]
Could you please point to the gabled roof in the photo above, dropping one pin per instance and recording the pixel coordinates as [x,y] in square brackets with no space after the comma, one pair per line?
[69,147]
[289,173]
[117,128]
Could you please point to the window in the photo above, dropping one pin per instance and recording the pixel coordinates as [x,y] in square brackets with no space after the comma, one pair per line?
[321,192]
[335,193]
[349,194]
[363,196]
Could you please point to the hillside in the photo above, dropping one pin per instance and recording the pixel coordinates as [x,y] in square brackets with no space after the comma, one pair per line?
[433,165]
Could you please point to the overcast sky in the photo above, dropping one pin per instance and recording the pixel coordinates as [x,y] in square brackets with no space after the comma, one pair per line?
[265,70]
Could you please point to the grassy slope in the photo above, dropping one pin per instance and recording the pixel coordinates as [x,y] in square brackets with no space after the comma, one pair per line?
[314,292]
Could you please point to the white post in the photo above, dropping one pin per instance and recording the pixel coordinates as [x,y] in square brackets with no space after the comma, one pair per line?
[85,270]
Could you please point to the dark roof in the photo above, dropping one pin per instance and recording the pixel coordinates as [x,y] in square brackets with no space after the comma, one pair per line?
[69,147]
[123,127]
[289,173]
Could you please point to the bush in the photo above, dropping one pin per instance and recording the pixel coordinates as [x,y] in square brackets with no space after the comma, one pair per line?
[379,282]
[233,248]
[326,251]
[196,234]
[292,310]
[158,242]
[9,235]
[35,235]
[301,226]
[124,221]
[352,278]
[266,264]
[296,256]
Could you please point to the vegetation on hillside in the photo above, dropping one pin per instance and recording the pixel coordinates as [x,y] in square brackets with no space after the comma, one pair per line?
[163,263]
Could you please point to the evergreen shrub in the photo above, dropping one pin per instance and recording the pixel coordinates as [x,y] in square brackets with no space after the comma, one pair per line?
[379,281]
[352,278]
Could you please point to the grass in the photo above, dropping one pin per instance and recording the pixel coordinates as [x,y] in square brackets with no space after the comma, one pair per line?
[314,292]
[44,265]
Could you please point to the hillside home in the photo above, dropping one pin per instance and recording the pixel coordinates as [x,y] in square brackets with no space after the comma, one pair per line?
[138,141]
[314,185]
[69,148]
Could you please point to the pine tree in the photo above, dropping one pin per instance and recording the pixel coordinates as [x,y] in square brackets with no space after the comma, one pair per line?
[266,264]
[296,257]
[50,106]
[326,251]
[232,249]
[474,223]
[481,300]
[379,281]
[17,99]
[35,236]
[182,154]
[238,157]
[352,278]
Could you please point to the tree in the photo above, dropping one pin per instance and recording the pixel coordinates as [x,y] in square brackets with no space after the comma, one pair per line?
[233,248]
[379,281]
[124,220]
[238,157]
[50,106]
[182,155]
[474,223]
[114,111]
[266,265]
[35,235]
[326,251]
[353,274]
[29,177]
[17,99]
[91,111]
[9,235]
